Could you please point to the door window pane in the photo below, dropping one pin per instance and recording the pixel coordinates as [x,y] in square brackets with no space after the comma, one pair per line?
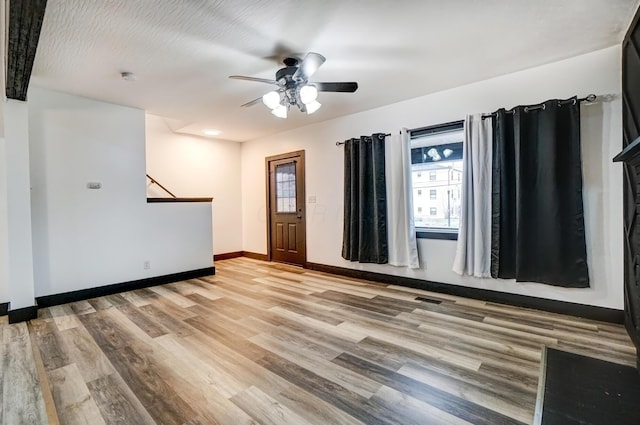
[286,188]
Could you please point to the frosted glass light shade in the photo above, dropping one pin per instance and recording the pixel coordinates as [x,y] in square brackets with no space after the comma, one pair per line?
[308,94]
[313,106]
[271,99]
[280,111]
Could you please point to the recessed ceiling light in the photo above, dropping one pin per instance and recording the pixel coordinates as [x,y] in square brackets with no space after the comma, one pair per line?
[211,132]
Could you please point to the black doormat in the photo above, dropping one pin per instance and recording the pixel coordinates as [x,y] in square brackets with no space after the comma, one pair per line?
[575,389]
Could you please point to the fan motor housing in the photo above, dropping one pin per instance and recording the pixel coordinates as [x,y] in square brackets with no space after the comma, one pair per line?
[286,71]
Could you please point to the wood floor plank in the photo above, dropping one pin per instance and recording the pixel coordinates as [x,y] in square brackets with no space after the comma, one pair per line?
[50,346]
[265,409]
[136,299]
[199,383]
[464,409]
[414,411]
[315,409]
[145,323]
[269,343]
[348,401]
[73,400]
[22,401]
[82,349]
[505,401]
[45,388]
[146,379]
[437,352]
[240,368]
[64,317]
[322,367]
[117,403]
[3,326]
[99,304]
[309,322]
[173,325]
[82,307]
[175,298]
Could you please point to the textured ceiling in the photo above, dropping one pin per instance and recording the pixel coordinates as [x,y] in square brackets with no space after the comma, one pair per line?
[182,51]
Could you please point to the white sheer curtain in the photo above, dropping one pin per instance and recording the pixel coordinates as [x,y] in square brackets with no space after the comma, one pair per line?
[403,247]
[473,253]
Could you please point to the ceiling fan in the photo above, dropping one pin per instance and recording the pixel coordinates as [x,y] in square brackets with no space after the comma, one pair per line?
[294,88]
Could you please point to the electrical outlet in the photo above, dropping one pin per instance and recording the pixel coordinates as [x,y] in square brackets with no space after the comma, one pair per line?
[147,265]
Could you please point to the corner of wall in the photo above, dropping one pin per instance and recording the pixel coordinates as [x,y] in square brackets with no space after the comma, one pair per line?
[4,247]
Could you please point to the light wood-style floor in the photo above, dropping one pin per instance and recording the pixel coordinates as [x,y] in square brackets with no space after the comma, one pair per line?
[265,343]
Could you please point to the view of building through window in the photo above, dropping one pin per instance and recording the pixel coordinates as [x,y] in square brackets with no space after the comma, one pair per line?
[443,203]
[436,162]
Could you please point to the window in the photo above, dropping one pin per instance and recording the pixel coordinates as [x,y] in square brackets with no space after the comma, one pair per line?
[437,150]
[286,187]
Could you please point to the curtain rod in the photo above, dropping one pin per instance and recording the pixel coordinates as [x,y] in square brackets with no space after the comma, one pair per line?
[342,143]
[589,98]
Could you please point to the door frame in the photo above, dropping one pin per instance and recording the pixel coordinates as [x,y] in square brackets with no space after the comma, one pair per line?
[300,180]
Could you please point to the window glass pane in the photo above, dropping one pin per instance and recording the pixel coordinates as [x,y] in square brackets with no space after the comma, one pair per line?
[437,155]
[286,188]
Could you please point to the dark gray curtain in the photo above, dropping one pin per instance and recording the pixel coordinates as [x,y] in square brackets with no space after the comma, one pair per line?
[365,201]
[537,213]
[25,22]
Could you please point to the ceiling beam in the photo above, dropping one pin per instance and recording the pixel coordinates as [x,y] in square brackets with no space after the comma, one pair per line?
[25,22]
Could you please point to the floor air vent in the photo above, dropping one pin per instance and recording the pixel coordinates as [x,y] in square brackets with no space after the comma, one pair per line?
[429,300]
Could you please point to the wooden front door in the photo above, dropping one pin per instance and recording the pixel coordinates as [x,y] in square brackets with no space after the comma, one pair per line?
[286,222]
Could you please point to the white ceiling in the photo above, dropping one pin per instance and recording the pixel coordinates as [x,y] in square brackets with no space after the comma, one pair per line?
[182,51]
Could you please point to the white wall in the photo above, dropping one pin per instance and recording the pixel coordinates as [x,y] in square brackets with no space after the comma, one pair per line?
[18,202]
[87,238]
[4,229]
[191,166]
[598,72]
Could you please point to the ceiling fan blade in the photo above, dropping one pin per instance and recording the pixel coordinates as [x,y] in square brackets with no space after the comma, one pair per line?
[257,80]
[253,102]
[309,65]
[337,87]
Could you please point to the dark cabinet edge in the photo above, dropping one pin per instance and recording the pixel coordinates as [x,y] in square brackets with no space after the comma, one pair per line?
[629,153]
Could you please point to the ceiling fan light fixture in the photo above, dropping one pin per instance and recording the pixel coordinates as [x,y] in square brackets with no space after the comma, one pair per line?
[280,111]
[313,107]
[271,100]
[308,94]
